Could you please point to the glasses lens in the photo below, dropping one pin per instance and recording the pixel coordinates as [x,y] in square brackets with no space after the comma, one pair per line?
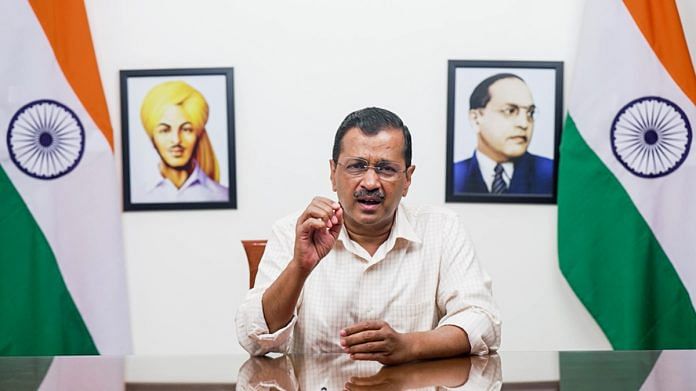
[387,171]
[356,167]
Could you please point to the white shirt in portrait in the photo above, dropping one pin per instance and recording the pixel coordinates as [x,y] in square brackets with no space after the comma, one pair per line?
[198,187]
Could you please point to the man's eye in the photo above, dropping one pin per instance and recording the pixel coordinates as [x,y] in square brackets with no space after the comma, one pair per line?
[511,111]
[387,169]
[188,129]
[356,166]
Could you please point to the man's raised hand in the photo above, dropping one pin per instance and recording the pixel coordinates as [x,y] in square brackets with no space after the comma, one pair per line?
[316,232]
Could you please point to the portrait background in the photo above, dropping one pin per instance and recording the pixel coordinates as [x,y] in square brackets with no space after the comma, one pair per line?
[541,83]
[143,156]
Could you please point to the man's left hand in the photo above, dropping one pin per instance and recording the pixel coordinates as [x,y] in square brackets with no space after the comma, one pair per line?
[375,340]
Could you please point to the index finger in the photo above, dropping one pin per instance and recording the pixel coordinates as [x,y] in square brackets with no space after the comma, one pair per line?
[327,207]
[362,326]
[326,201]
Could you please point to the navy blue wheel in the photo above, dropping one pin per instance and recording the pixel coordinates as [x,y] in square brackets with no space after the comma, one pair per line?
[651,136]
[45,139]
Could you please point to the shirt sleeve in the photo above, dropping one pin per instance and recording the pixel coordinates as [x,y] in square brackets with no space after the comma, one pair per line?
[266,373]
[465,297]
[252,330]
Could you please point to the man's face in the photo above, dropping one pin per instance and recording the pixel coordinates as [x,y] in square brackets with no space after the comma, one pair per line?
[175,138]
[369,200]
[505,126]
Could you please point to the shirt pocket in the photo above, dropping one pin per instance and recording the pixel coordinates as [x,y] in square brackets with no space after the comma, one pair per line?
[410,317]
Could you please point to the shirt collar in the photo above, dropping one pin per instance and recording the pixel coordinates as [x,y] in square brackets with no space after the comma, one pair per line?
[402,228]
[487,167]
[195,177]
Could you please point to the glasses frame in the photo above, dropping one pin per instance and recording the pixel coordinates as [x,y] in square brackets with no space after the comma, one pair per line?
[376,168]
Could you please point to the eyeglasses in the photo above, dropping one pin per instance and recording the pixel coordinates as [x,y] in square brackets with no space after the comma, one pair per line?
[385,170]
[512,111]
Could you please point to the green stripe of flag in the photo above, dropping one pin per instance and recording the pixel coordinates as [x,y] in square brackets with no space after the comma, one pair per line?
[613,261]
[23,373]
[38,315]
[605,370]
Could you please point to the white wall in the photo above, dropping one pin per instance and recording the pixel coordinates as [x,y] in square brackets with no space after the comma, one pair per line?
[300,67]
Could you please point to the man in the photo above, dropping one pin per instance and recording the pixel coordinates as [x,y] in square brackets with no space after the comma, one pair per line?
[501,111]
[367,275]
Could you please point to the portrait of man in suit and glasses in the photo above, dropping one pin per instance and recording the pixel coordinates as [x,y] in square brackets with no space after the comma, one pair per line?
[500,149]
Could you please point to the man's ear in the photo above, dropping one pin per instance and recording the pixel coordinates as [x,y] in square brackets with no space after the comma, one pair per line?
[407,184]
[332,167]
[474,118]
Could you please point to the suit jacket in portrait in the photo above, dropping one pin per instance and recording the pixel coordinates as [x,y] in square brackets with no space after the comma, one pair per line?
[532,175]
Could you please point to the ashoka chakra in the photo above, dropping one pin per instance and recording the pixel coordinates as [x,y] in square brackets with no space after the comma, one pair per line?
[46,140]
[651,136]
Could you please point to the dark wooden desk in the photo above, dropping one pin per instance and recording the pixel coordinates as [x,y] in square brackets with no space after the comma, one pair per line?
[623,370]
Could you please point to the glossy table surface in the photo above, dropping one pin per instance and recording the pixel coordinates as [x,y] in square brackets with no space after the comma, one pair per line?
[622,370]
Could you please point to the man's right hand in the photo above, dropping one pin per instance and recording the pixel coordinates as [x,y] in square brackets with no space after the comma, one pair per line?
[316,232]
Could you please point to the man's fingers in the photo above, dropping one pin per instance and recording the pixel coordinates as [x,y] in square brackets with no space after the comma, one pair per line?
[337,221]
[310,225]
[319,212]
[375,379]
[361,337]
[368,356]
[367,347]
[322,208]
[362,326]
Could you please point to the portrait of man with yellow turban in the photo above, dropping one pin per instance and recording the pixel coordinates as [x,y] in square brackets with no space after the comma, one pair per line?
[174,116]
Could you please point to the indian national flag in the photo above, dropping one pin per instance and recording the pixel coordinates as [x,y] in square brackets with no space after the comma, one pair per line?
[62,277]
[627,177]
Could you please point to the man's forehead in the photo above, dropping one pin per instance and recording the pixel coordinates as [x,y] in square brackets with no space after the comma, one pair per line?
[386,144]
[511,91]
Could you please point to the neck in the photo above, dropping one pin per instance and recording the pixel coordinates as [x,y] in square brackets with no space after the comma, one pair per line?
[369,237]
[177,176]
[497,157]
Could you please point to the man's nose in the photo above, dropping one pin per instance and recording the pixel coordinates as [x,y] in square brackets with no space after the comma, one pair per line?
[370,179]
[176,136]
[522,120]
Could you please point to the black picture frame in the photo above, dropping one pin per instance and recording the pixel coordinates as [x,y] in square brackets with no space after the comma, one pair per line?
[464,182]
[144,186]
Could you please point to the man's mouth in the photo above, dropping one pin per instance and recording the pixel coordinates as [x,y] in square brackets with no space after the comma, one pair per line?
[519,139]
[176,151]
[369,198]
[370,201]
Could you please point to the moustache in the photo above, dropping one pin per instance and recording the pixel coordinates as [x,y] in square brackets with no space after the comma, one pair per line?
[375,194]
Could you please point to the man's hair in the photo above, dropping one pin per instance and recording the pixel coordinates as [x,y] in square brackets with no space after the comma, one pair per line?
[482,94]
[371,121]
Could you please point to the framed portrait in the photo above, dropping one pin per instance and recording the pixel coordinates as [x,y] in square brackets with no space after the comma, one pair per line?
[504,123]
[178,139]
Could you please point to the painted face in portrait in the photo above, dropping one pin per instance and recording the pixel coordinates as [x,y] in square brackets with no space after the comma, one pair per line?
[370,197]
[174,116]
[505,125]
[175,138]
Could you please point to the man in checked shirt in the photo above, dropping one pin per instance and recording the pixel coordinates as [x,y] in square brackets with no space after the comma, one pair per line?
[369,275]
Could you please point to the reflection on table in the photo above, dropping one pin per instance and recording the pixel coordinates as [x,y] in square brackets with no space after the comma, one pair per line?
[339,372]
[608,370]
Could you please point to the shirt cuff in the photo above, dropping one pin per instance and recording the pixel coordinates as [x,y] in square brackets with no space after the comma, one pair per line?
[483,332]
[278,338]
[253,332]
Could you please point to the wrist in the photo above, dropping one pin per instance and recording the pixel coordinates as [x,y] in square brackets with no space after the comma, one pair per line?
[414,342]
[299,269]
